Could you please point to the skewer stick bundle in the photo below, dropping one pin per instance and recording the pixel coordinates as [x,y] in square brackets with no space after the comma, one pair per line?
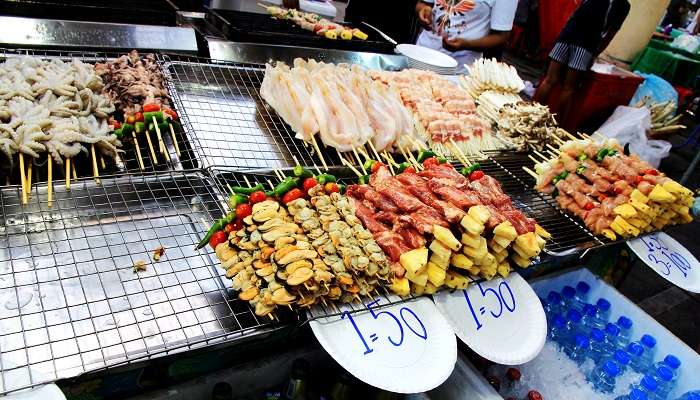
[318,151]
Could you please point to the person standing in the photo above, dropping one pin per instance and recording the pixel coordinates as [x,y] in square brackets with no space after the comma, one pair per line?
[465,29]
[586,34]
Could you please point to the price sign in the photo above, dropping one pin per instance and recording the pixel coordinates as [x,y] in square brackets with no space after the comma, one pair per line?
[669,259]
[502,320]
[404,348]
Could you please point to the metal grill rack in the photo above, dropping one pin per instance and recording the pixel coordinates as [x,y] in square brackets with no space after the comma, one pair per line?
[69,300]
[230,124]
[128,159]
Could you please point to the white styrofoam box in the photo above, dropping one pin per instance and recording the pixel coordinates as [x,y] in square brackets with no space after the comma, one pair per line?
[642,323]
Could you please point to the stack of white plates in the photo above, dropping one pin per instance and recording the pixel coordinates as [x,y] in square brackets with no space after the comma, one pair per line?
[420,57]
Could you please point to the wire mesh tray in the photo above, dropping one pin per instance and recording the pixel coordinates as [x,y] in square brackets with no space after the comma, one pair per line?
[69,299]
[128,159]
[230,124]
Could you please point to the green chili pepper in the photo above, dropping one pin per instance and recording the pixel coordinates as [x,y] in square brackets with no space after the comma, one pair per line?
[468,170]
[560,177]
[442,160]
[127,129]
[611,153]
[236,199]
[216,226]
[163,126]
[342,188]
[582,157]
[424,155]
[325,178]
[403,166]
[139,127]
[367,166]
[580,169]
[118,133]
[301,172]
[364,180]
[286,185]
[148,116]
[601,154]
[247,190]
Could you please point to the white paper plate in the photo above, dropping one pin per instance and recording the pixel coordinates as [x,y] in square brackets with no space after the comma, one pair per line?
[416,365]
[426,55]
[668,258]
[489,327]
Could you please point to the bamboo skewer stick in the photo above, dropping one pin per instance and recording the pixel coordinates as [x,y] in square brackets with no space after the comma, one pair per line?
[388,162]
[161,143]
[569,135]
[150,147]
[23,178]
[359,161]
[281,174]
[554,149]
[247,182]
[347,164]
[464,156]
[541,155]
[376,153]
[172,136]
[318,151]
[531,172]
[67,173]
[138,151]
[49,187]
[29,177]
[272,186]
[95,170]
[75,174]
[277,174]
[102,162]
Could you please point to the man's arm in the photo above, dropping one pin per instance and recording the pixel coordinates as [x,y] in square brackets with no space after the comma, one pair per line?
[494,39]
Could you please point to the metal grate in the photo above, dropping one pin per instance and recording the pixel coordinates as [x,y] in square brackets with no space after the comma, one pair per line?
[69,300]
[230,124]
[128,159]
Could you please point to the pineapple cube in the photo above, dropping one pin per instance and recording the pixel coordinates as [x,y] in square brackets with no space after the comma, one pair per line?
[502,241]
[636,195]
[501,256]
[454,280]
[528,244]
[476,253]
[430,289]
[419,279]
[661,195]
[439,260]
[417,289]
[436,275]
[471,225]
[414,260]
[446,237]
[626,226]
[610,234]
[541,232]
[506,230]
[520,261]
[470,240]
[497,248]
[461,261]
[439,249]
[480,213]
[400,286]
[641,206]
[625,211]
[503,269]
[677,188]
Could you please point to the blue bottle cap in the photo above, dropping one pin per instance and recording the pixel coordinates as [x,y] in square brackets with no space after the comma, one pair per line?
[611,368]
[589,310]
[664,373]
[558,321]
[597,335]
[649,341]
[603,304]
[692,396]
[622,357]
[612,329]
[649,383]
[568,292]
[635,349]
[672,361]
[624,322]
[636,394]
[573,316]
[582,341]
[554,297]
[582,287]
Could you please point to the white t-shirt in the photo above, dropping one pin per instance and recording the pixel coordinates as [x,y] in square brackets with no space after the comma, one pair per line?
[476,23]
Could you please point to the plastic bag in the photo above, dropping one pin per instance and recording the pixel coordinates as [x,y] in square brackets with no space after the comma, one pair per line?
[656,89]
[686,42]
[629,125]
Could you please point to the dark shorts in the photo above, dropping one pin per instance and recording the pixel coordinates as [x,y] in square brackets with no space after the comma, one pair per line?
[574,56]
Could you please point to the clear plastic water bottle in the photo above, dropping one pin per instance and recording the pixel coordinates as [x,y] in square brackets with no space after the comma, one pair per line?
[568,293]
[634,394]
[582,289]
[590,319]
[603,309]
[625,325]
[664,381]
[622,359]
[597,343]
[603,377]
[577,350]
[693,395]
[557,330]
[573,324]
[611,338]
[638,362]
[552,304]
[647,385]
[649,343]
[673,363]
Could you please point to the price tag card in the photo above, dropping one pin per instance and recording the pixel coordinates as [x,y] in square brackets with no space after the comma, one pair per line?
[502,320]
[669,259]
[404,348]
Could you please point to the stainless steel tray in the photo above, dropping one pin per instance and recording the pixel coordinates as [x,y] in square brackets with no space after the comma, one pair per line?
[69,299]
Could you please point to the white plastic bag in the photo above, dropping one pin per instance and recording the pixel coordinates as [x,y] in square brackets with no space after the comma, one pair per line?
[630,125]
[686,42]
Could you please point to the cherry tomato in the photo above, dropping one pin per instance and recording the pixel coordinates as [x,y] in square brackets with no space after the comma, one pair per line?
[257,197]
[309,183]
[237,224]
[376,166]
[115,124]
[650,171]
[229,228]
[589,206]
[292,195]
[170,112]
[638,179]
[139,117]
[243,210]
[430,162]
[476,175]
[217,238]
[409,170]
[602,197]
[150,107]
[130,119]
[331,187]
